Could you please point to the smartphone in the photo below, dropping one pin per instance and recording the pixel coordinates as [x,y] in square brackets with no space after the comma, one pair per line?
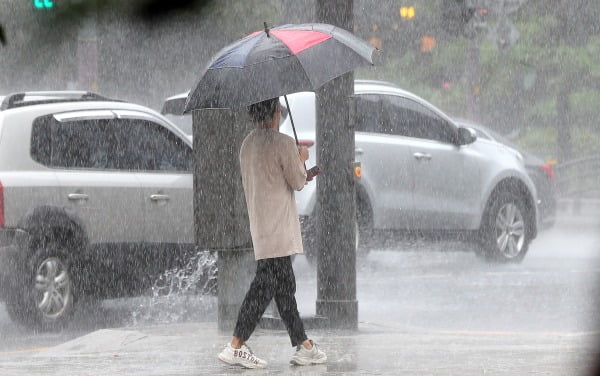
[312,172]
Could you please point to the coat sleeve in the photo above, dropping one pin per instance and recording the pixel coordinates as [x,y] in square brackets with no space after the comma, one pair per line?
[293,168]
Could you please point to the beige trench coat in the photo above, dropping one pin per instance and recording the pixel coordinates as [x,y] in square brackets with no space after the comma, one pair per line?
[271,172]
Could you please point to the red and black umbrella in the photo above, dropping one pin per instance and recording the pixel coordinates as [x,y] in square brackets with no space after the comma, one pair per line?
[274,62]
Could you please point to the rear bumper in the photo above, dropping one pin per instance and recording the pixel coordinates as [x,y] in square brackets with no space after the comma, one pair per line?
[8,267]
[7,236]
[12,262]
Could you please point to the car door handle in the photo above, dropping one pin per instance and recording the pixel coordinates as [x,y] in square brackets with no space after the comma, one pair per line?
[422,156]
[77,196]
[358,151]
[159,197]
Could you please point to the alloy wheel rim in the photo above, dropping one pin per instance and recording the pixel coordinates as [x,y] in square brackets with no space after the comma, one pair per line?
[52,288]
[510,230]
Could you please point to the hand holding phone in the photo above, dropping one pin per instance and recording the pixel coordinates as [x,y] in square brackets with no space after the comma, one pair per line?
[312,172]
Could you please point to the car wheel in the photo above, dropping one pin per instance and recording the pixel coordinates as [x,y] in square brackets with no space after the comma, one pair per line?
[47,298]
[309,239]
[362,227]
[505,232]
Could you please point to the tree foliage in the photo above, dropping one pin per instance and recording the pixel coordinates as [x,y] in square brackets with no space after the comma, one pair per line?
[150,49]
[553,64]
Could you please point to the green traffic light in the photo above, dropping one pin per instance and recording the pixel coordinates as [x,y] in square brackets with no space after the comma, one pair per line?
[43,4]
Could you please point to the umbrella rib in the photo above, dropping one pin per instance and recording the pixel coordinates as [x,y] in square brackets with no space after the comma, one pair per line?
[306,74]
[255,63]
[312,84]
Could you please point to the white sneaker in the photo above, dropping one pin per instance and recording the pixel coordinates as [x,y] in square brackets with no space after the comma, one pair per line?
[304,357]
[241,357]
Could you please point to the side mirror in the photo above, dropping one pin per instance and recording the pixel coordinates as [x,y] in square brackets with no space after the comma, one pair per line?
[466,136]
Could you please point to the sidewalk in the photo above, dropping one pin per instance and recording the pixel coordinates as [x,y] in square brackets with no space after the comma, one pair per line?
[375,349]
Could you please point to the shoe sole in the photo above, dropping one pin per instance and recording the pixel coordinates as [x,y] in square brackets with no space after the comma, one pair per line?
[244,365]
[311,362]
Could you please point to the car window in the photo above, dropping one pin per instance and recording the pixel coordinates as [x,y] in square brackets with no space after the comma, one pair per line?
[368,114]
[40,146]
[405,117]
[89,144]
[152,147]
[115,144]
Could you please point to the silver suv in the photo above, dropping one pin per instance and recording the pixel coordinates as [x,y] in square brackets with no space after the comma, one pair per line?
[423,174]
[95,200]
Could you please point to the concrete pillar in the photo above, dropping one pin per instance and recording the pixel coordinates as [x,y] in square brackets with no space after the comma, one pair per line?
[297,11]
[221,219]
[336,207]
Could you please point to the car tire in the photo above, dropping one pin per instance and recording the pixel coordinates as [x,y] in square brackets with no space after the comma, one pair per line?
[363,229]
[46,300]
[309,240]
[505,232]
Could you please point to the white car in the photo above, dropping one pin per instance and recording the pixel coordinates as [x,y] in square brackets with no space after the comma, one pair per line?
[423,174]
[95,200]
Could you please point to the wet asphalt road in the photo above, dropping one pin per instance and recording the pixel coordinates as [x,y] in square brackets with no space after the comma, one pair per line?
[555,290]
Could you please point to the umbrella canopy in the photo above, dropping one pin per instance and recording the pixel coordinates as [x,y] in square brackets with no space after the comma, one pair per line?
[271,63]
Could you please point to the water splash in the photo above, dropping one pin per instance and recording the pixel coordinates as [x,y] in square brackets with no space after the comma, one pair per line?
[182,294]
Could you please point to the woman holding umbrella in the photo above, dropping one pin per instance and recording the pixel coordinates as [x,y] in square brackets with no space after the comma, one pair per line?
[281,60]
[272,168]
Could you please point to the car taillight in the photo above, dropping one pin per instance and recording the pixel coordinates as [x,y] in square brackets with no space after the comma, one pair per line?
[1,205]
[307,143]
[547,168]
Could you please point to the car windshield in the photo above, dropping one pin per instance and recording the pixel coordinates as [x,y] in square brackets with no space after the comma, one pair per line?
[500,138]
[487,133]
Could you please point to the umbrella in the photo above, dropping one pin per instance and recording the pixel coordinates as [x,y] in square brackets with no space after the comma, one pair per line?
[274,62]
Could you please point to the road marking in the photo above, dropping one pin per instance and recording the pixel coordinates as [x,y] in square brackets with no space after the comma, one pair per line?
[37,349]
[424,330]
[499,332]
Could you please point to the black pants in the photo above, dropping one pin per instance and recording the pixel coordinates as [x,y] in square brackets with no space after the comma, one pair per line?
[274,279]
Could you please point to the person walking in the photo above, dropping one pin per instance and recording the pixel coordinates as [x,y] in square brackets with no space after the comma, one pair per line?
[272,167]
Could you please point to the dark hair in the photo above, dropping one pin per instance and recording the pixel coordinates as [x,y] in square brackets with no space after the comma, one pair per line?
[264,110]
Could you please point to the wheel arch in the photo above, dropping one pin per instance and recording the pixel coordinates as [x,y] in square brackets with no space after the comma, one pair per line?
[47,222]
[516,186]
[40,227]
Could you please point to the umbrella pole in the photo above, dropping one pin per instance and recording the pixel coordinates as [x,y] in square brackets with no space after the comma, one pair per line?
[292,121]
[291,118]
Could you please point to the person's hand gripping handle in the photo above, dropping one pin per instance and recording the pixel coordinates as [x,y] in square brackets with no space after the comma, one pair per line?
[303,153]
